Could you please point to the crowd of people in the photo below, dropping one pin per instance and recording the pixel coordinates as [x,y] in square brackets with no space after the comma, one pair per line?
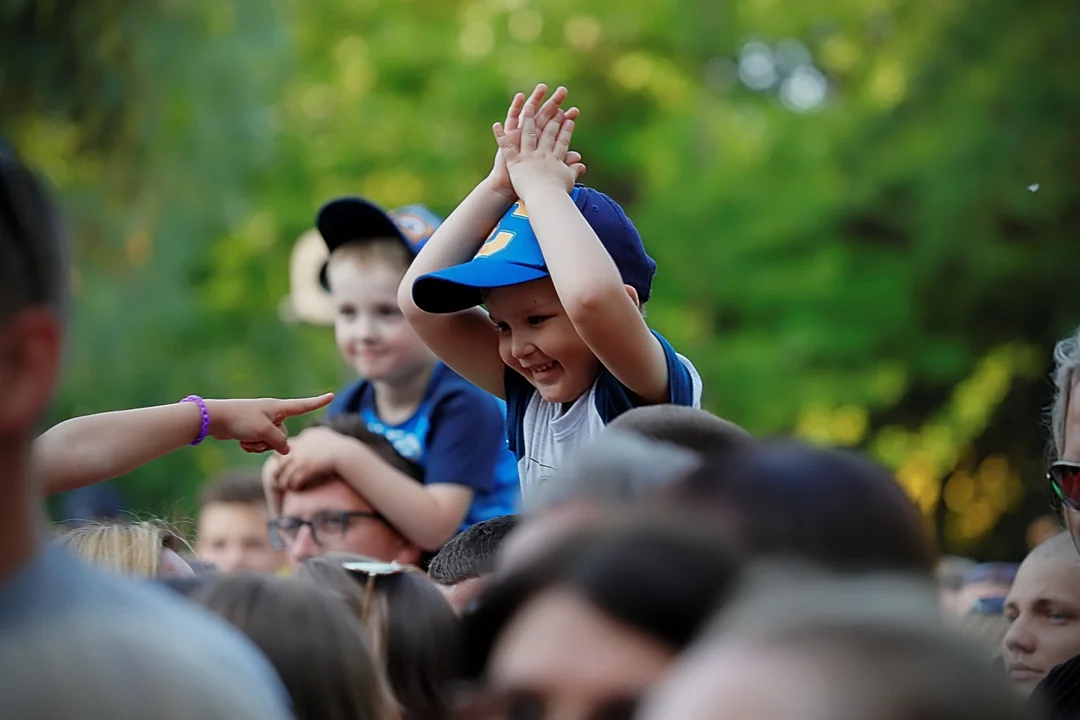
[518,511]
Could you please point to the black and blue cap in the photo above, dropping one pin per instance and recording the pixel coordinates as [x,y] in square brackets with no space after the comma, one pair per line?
[511,256]
[354,219]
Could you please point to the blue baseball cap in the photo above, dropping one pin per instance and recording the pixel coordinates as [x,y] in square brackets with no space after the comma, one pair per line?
[511,255]
[353,219]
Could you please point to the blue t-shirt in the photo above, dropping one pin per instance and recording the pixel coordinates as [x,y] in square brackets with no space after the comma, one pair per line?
[541,433]
[457,436]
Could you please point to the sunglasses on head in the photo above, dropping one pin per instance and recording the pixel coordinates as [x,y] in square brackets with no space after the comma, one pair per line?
[1064,478]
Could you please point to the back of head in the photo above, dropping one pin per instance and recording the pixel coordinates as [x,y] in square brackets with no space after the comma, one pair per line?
[616,468]
[310,638]
[408,622]
[471,553]
[241,486]
[33,247]
[866,648]
[832,508]
[687,427]
[353,426]
[133,548]
[660,576]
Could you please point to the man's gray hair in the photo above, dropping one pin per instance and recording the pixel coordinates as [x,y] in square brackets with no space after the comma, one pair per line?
[615,468]
[1066,373]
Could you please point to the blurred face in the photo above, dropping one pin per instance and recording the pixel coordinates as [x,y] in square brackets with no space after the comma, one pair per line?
[462,595]
[170,564]
[233,536]
[739,682]
[538,340]
[372,334]
[562,659]
[359,535]
[1044,609]
[970,593]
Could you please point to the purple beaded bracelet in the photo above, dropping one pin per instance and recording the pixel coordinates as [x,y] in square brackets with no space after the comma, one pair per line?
[205,429]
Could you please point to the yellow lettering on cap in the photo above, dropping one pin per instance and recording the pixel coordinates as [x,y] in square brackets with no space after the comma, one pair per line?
[494,244]
[519,210]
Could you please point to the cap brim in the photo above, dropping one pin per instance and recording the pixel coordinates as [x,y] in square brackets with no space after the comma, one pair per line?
[351,218]
[459,287]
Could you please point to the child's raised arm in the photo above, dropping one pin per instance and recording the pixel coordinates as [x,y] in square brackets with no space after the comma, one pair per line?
[590,288]
[467,341]
[93,448]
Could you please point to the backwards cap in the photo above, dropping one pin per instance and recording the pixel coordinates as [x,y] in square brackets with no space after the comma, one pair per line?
[511,256]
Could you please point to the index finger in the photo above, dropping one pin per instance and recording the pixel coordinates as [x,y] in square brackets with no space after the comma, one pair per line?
[551,107]
[300,406]
[514,111]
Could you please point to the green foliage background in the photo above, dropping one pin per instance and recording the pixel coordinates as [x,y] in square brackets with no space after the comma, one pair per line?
[875,273]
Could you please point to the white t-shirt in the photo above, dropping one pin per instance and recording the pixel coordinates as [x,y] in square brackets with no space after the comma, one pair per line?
[541,433]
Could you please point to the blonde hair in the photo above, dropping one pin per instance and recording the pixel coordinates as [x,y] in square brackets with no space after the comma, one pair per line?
[132,548]
[391,251]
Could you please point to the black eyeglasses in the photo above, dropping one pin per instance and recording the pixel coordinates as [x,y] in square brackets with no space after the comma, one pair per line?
[1064,479]
[324,525]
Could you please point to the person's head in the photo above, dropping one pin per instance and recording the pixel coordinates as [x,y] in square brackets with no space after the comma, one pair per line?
[950,572]
[462,566]
[985,624]
[331,515]
[1043,608]
[410,627]
[312,640]
[988,580]
[370,250]
[1065,428]
[232,525]
[690,428]
[509,276]
[140,549]
[833,508]
[583,630]
[866,648]
[33,303]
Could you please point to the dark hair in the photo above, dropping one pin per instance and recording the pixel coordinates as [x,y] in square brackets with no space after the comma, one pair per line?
[661,577]
[687,427]
[472,552]
[833,508]
[233,486]
[311,639]
[33,244]
[186,585]
[353,426]
[410,625]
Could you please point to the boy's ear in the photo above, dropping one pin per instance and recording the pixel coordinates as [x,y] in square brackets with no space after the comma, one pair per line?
[633,295]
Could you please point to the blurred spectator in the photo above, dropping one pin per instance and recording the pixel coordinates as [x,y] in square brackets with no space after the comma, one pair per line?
[1043,607]
[584,629]
[950,573]
[832,508]
[799,647]
[462,567]
[1042,529]
[78,642]
[311,638]
[410,627]
[689,428]
[989,580]
[316,512]
[139,549]
[985,623]
[233,533]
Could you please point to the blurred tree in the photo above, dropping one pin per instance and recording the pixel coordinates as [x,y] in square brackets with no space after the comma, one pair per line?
[861,209]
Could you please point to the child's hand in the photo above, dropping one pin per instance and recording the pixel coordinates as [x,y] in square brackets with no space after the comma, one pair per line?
[258,424]
[314,455]
[540,154]
[500,177]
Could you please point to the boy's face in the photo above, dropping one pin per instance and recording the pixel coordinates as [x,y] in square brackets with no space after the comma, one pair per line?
[539,341]
[234,537]
[372,334]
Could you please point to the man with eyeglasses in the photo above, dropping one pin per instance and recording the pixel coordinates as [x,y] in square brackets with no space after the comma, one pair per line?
[1058,694]
[315,511]
[76,642]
